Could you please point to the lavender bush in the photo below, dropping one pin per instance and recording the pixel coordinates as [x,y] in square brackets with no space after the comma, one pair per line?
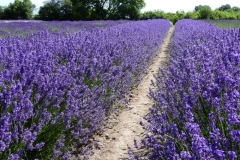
[57,88]
[196,114]
[23,28]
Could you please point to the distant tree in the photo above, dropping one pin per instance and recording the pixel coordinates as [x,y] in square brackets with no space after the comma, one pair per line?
[56,10]
[217,14]
[149,15]
[13,10]
[192,15]
[197,7]
[126,9]
[99,9]
[157,14]
[225,7]
[81,9]
[180,14]
[237,15]
[28,9]
[36,17]
[19,10]
[235,9]
[229,15]
[172,17]
[205,12]
[66,10]
[50,10]
[1,12]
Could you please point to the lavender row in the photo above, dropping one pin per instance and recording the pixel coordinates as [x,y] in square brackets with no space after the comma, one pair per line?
[24,28]
[196,114]
[56,89]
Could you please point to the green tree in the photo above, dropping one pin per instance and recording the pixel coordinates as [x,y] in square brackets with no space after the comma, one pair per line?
[237,15]
[13,10]
[148,15]
[180,14]
[225,7]
[1,12]
[50,10]
[126,9]
[192,15]
[171,17]
[56,10]
[81,9]
[27,9]
[217,14]
[235,9]
[229,15]
[66,8]
[197,7]
[205,12]
[98,9]
[19,10]
[153,14]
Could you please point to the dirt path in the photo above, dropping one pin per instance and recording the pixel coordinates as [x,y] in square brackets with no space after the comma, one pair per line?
[114,142]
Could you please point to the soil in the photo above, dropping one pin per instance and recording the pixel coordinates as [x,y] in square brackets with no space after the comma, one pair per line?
[114,142]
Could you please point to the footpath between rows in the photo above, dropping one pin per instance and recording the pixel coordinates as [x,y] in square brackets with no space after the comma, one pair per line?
[115,140]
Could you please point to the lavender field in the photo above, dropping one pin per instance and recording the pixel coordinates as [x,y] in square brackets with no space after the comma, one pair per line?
[60,80]
[23,28]
[196,114]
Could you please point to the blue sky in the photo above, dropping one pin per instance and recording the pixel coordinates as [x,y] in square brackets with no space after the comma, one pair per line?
[165,5]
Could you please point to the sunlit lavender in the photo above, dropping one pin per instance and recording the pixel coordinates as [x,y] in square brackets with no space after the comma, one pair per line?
[197,104]
[57,85]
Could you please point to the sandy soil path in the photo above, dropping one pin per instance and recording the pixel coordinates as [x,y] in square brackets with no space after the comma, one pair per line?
[115,141]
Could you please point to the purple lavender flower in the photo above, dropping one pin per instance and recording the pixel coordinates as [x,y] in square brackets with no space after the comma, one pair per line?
[65,83]
[232,155]
[199,93]
[185,155]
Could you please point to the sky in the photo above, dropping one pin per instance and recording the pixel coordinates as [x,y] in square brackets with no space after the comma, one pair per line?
[164,5]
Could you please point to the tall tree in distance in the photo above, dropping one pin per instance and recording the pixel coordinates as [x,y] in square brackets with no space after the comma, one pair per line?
[225,7]
[99,9]
[236,9]
[1,12]
[126,9]
[204,11]
[81,9]
[50,10]
[197,8]
[28,9]
[19,10]
[56,10]
[66,10]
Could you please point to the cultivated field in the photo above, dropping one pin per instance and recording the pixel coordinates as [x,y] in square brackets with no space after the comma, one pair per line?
[59,81]
[63,83]
[197,106]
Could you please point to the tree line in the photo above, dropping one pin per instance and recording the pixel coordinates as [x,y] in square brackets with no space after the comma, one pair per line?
[199,12]
[74,10]
[108,10]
